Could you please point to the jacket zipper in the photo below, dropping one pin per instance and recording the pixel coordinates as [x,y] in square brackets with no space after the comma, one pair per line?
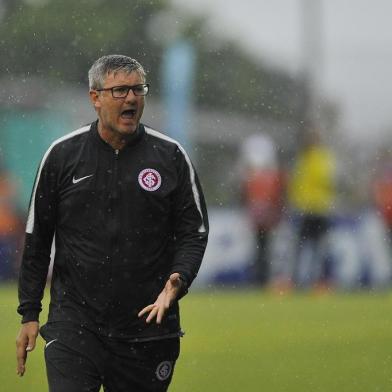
[114,208]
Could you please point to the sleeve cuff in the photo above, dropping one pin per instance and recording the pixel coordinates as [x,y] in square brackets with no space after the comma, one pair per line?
[31,315]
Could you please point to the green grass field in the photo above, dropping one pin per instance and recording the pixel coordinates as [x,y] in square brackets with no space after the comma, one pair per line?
[252,341]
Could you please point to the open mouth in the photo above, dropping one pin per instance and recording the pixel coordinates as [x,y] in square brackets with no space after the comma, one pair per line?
[128,114]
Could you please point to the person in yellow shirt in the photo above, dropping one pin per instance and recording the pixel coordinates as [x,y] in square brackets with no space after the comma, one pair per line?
[312,194]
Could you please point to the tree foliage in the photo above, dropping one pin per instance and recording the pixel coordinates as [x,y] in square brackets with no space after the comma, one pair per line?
[60,39]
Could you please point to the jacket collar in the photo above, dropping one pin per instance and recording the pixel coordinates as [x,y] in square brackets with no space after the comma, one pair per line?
[134,138]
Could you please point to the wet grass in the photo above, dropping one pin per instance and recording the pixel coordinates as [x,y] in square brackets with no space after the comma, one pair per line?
[252,341]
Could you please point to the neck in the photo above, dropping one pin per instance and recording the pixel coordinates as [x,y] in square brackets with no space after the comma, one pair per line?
[114,139]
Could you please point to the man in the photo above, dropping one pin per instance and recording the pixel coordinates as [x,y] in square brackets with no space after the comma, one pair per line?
[312,195]
[130,226]
[262,189]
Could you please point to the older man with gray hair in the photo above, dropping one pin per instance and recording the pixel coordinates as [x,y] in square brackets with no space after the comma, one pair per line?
[125,207]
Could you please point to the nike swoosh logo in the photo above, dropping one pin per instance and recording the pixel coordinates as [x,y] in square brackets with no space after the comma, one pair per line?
[49,343]
[76,180]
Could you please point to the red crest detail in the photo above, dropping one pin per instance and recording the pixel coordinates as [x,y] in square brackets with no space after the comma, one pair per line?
[149,179]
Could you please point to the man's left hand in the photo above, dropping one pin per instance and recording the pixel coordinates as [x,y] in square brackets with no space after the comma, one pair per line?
[169,293]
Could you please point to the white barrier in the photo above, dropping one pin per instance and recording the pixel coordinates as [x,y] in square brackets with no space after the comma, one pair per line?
[357,247]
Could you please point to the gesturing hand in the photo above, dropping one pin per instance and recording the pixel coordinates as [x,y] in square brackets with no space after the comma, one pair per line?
[25,342]
[164,300]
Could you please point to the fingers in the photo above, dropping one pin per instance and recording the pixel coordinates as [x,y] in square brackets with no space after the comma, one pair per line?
[155,311]
[162,304]
[20,365]
[152,314]
[25,342]
[152,311]
[31,343]
[21,355]
[145,310]
[161,313]
[158,312]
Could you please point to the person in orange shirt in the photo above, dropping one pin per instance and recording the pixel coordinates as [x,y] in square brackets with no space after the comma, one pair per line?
[382,192]
[262,194]
[10,227]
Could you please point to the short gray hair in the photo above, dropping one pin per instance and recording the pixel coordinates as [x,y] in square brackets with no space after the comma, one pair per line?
[112,64]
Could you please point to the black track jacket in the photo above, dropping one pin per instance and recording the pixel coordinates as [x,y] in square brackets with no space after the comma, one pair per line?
[123,222]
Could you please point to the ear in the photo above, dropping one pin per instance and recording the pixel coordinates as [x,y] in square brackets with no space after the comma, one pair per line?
[94,98]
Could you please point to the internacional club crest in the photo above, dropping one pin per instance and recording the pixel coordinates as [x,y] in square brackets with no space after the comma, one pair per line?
[150,180]
[164,370]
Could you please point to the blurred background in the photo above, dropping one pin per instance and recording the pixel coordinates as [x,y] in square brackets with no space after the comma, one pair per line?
[247,90]
[283,107]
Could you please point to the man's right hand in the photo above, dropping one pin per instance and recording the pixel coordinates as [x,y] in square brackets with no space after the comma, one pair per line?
[25,342]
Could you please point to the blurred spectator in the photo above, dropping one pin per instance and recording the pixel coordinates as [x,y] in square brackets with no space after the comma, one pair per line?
[382,191]
[10,227]
[311,194]
[262,193]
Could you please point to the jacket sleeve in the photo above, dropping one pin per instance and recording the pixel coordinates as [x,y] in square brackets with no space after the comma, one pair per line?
[38,241]
[190,221]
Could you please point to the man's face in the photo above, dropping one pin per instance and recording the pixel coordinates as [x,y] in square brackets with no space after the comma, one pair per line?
[119,115]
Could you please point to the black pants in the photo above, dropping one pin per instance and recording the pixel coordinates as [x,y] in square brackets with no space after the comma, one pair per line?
[312,231]
[78,360]
[262,267]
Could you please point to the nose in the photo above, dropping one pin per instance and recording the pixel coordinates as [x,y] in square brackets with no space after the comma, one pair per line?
[130,96]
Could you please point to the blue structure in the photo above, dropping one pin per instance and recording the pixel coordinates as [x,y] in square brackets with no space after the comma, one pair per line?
[178,69]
